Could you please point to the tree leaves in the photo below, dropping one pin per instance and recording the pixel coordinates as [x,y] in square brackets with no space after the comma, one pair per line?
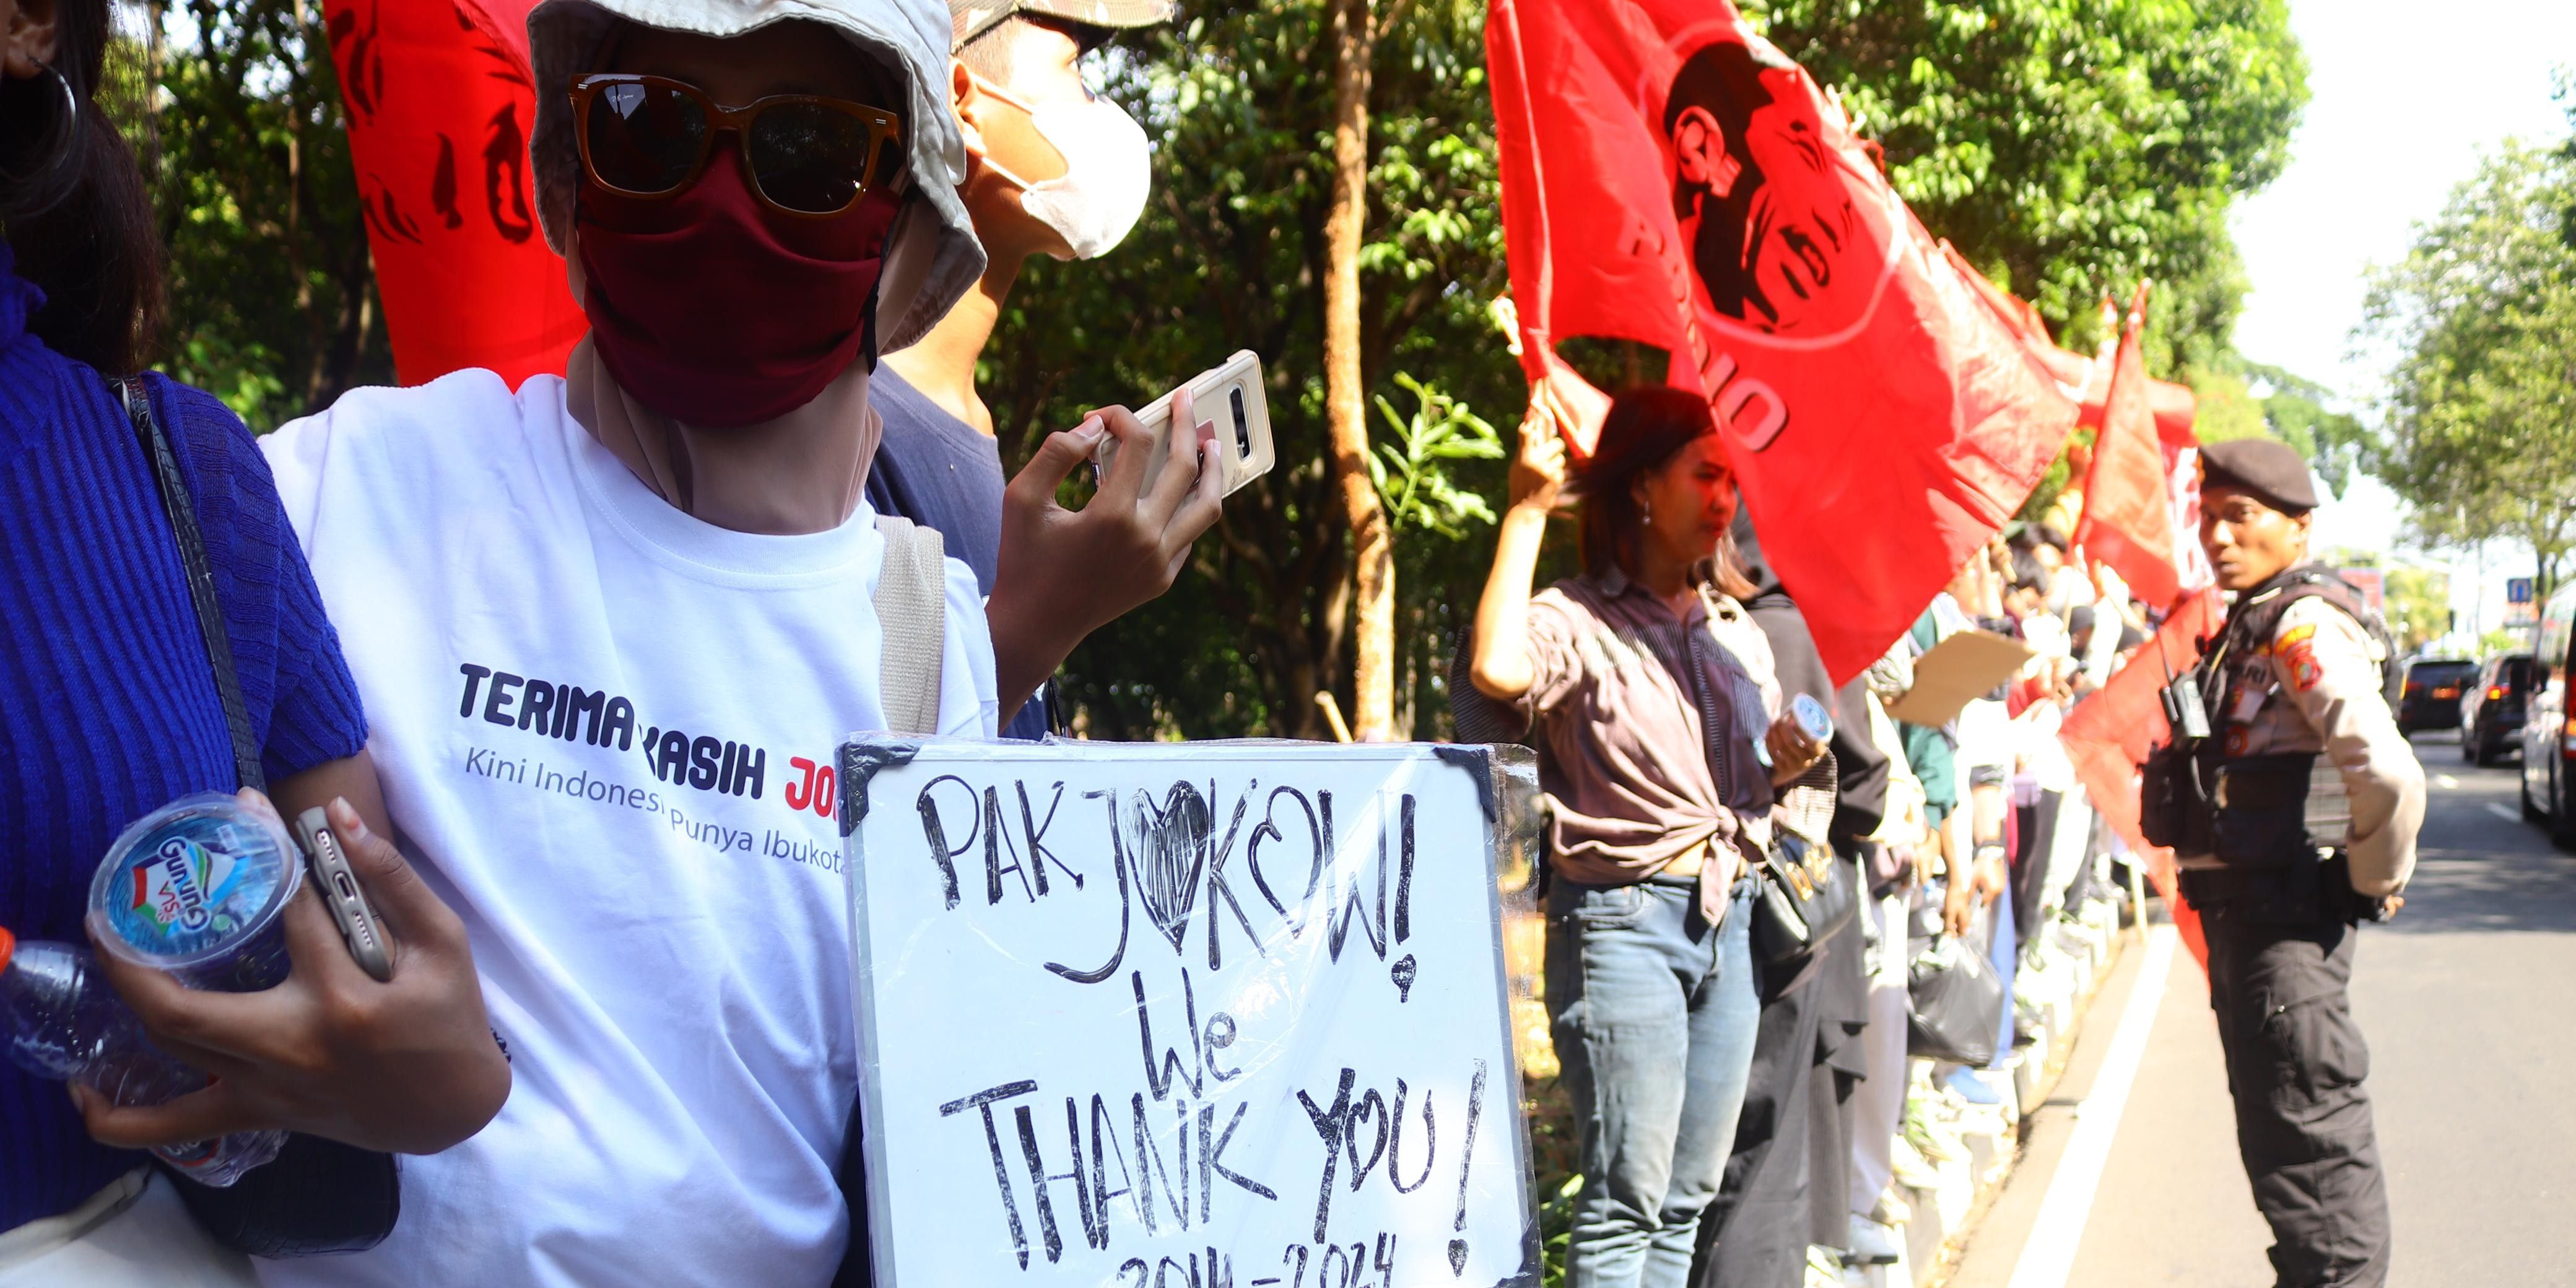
[1229,256]
[1412,480]
[2478,427]
[272,292]
[2076,145]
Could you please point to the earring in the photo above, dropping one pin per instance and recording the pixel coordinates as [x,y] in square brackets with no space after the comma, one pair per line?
[48,172]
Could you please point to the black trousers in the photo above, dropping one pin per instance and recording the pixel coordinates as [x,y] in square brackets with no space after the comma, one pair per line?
[2295,1065]
[1786,1185]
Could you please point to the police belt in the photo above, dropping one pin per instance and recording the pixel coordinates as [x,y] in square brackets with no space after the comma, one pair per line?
[2289,894]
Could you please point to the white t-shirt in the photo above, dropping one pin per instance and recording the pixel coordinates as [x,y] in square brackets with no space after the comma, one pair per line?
[600,724]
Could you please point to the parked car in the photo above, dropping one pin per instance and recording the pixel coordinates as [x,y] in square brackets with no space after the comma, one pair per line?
[2491,712]
[2430,698]
[2548,736]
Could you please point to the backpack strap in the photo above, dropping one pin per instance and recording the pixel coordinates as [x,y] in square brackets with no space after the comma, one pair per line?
[912,606]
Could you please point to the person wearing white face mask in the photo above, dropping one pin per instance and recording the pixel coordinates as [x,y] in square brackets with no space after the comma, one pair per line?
[1051,170]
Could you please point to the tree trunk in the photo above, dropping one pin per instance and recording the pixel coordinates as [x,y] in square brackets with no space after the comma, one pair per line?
[1345,408]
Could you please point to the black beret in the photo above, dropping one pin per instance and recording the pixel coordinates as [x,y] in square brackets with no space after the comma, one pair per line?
[2271,470]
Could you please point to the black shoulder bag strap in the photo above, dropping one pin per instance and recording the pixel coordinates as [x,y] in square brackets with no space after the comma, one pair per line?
[320,1196]
[182,511]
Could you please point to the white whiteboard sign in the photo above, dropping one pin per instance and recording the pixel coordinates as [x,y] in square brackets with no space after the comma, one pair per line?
[1183,1016]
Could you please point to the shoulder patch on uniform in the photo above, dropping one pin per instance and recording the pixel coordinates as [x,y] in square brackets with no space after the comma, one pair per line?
[2297,650]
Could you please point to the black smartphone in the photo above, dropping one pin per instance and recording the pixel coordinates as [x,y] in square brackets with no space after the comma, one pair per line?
[337,883]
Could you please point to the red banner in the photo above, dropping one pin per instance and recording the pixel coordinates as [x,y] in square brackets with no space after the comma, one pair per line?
[1672,179]
[2128,516]
[439,102]
[2174,405]
[2110,732]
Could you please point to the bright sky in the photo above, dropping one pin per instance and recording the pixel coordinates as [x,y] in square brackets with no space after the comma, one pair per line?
[2404,98]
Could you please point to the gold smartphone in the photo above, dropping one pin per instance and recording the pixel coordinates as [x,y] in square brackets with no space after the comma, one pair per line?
[1228,396]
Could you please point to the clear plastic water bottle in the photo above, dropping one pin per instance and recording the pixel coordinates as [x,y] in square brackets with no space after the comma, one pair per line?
[61,1019]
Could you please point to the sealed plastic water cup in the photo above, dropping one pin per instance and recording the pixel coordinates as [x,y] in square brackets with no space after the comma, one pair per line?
[199,888]
[1813,721]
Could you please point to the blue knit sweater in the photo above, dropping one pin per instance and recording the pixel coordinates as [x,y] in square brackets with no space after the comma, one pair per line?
[107,701]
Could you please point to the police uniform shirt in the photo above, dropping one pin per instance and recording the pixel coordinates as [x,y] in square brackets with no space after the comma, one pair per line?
[2315,688]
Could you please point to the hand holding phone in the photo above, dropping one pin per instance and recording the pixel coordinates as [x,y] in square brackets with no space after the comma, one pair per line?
[337,883]
[1227,398]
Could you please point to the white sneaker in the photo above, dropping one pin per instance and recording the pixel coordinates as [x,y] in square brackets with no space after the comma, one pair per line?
[1891,1210]
[1824,1268]
[1913,1170]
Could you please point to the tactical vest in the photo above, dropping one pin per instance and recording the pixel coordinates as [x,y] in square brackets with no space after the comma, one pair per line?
[2265,817]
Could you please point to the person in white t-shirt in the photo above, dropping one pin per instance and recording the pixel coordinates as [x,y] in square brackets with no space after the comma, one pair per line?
[610,629]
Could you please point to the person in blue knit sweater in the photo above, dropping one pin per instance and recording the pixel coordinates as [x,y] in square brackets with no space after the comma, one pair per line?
[109,708]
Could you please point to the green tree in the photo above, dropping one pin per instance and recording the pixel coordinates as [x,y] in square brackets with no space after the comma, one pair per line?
[2418,606]
[2071,147]
[2294,411]
[234,108]
[1231,255]
[2477,425]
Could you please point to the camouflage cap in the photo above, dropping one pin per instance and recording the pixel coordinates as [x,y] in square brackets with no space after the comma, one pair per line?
[973,18]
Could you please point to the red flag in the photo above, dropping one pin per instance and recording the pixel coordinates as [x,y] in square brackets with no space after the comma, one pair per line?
[2128,519]
[1670,178]
[439,101]
[2013,311]
[2175,408]
[2174,405]
[2109,733]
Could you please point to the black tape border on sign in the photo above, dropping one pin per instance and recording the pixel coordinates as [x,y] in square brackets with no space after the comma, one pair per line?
[861,759]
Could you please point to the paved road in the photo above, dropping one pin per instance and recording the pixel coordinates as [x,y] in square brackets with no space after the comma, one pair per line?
[2469,1004]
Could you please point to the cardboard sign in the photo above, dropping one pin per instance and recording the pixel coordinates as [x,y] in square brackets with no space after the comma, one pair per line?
[1152,1015]
[1957,670]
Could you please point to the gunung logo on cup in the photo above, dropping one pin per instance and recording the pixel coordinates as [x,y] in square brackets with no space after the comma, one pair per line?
[175,886]
[197,887]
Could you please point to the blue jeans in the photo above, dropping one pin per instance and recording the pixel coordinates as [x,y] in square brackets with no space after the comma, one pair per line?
[1655,1013]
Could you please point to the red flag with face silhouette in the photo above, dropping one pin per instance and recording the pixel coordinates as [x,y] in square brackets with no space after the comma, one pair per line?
[1671,178]
[439,100]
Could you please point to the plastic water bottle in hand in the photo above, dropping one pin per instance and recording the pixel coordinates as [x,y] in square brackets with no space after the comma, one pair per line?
[61,1019]
[1812,719]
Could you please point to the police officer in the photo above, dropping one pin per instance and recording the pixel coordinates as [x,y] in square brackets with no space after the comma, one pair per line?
[2298,820]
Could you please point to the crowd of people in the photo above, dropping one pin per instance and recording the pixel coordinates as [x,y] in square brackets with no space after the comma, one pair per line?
[1747,1110]
[765,504]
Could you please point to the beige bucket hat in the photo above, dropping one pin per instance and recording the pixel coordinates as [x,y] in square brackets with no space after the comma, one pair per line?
[932,257]
[975,17]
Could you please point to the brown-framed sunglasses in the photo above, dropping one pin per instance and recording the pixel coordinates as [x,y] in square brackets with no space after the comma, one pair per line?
[807,156]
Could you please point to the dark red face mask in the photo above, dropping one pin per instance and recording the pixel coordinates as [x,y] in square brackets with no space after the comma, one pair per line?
[717,311]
